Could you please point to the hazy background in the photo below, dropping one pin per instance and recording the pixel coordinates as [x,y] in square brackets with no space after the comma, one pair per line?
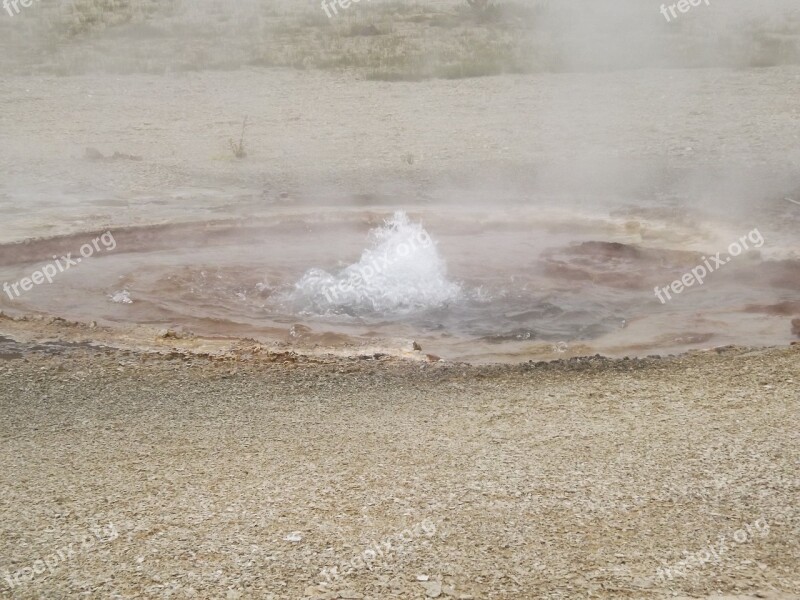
[384,39]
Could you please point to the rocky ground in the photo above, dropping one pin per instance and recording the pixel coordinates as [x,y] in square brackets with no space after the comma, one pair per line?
[210,476]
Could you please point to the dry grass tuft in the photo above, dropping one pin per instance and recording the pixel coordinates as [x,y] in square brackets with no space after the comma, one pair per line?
[238,148]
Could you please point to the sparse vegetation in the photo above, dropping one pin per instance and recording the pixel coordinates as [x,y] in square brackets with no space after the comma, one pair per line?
[480,6]
[387,41]
[85,16]
[238,148]
[89,14]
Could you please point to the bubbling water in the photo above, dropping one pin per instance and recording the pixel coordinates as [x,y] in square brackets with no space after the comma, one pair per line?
[400,272]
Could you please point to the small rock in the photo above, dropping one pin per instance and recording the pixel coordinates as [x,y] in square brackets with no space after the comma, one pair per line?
[93,154]
[422,578]
[364,30]
[295,536]
[124,156]
[433,589]
[416,346]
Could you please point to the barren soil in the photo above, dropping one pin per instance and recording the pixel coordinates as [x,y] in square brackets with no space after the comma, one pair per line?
[574,479]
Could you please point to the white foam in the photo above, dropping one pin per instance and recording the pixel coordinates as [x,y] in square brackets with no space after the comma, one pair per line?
[400,271]
[121,297]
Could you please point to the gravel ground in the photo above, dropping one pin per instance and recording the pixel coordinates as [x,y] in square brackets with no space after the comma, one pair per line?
[193,476]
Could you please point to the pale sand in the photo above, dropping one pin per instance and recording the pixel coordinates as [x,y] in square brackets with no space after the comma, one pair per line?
[569,480]
[727,138]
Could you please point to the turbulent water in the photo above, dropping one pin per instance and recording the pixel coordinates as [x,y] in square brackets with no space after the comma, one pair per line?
[400,272]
